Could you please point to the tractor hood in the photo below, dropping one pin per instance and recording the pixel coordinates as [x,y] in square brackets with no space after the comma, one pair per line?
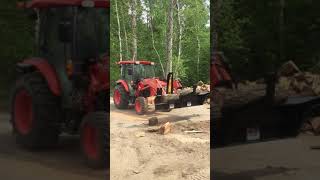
[154,84]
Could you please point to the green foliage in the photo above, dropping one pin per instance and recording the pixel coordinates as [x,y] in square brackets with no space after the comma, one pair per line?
[16,41]
[249,34]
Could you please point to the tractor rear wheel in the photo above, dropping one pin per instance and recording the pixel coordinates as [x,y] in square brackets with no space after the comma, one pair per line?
[34,112]
[120,97]
[141,105]
[94,134]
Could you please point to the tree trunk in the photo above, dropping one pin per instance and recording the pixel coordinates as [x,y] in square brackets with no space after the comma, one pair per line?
[119,31]
[125,30]
[153,42]
[199,47]
[198,62]
[134,29]
[180,39]
[282,55]
[215,16]
[169,37]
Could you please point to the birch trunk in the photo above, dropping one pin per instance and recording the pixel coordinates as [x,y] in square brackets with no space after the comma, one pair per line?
[125,31]
[198,61]
[180,39]
[169,37]
[134,29]
[119,31]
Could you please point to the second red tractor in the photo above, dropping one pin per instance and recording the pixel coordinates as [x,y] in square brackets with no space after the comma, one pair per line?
[140,87]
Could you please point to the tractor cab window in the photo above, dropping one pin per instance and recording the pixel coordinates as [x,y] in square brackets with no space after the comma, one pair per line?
[127,72]
[134,72]
[92,32]
[50,45]
[143,71]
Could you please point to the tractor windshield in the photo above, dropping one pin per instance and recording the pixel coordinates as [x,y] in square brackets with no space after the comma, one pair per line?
[92,33]
[144,71]
[136,72]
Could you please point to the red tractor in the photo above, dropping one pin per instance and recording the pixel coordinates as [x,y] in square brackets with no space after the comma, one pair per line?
[140,87]
[65,87]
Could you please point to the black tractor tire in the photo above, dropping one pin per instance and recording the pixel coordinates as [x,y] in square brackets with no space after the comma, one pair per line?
[34,104]
[141,105]
[123,101]
[98,138]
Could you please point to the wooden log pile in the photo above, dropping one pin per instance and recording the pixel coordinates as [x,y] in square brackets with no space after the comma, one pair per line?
[291,82]
[297,83]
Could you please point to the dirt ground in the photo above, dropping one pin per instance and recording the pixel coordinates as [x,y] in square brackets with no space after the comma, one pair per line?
[63,162]
[139,154]
[287,159]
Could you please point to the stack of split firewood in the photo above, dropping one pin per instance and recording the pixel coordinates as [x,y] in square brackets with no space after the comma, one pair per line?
[291,82]
[296,82]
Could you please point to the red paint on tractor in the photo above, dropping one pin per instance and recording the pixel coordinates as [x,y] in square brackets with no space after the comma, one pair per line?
[60,3]
[99,77]
[153,84]
[176,84]
[124,84]
[48,72]
[99,82]
[23,114]
[90,141]
[219,73]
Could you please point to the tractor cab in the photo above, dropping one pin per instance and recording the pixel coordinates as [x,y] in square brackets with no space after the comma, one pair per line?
[137,70]
[76,31]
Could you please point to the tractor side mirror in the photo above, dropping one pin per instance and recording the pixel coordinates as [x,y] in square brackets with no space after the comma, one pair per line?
[65,31]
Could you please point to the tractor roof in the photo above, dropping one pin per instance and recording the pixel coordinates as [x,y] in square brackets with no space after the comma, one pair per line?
[59,3]
[136,62]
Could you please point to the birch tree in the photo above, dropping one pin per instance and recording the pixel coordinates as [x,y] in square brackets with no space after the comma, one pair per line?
[133,9]
[119,31]
[169,37]
[180,38]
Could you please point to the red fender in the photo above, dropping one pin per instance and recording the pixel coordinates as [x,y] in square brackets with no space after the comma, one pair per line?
[124,84]
[48,72]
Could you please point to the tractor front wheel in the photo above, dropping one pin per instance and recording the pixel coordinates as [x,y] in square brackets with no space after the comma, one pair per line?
[94,135]
[120,97]
[34,112]
[141,105]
